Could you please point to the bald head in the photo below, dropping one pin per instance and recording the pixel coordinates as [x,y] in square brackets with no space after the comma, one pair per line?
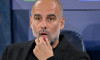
[48,3]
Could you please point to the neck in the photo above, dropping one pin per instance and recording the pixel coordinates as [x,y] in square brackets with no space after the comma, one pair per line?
[55,44]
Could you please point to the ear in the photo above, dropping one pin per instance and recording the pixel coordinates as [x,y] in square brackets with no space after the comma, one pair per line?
[62,22]
[30,21]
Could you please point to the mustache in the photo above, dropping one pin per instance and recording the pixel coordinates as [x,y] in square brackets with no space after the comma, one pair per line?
[45,31]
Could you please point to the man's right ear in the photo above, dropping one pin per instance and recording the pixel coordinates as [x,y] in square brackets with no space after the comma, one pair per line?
[30,21]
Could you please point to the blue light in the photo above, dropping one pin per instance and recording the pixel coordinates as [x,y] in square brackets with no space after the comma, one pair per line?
[89,0]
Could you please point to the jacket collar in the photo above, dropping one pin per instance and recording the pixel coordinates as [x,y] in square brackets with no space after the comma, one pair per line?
[63,44]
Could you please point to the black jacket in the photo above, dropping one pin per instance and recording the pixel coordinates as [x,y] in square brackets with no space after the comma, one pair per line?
[63,51]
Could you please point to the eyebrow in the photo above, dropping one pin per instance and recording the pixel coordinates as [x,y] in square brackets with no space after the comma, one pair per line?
[47,15]
[51,15]
[37,15]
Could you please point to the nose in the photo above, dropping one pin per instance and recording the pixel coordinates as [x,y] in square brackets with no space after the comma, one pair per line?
[44,24]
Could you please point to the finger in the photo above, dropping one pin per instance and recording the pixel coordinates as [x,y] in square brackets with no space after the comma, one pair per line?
[36,41]
[42,40]
[47,42]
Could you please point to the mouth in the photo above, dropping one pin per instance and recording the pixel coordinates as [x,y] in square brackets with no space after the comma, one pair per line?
[44,34]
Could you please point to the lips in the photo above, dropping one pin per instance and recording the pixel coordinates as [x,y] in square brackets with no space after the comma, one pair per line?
[43,34]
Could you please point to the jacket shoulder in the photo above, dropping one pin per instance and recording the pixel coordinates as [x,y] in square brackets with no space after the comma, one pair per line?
[75,54]
[20,45]
[13,51]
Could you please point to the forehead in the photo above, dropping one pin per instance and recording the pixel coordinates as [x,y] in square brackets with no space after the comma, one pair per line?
[44,9]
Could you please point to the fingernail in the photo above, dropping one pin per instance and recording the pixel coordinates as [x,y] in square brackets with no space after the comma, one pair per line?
[44,38]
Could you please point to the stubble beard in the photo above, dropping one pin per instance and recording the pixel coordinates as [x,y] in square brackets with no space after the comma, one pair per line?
[51,37]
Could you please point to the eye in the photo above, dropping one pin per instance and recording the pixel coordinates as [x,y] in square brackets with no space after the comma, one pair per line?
[37,18]
[51,19]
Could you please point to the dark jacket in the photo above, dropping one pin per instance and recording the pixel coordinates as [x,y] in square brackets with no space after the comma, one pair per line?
[63,51]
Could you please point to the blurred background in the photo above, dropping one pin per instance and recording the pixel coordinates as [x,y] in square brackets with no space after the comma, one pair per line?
[82,16]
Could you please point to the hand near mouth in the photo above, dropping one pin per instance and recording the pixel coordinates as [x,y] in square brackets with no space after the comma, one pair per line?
[43,50]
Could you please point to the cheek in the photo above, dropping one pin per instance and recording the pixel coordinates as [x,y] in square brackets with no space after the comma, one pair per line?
[54,27]
[35,27]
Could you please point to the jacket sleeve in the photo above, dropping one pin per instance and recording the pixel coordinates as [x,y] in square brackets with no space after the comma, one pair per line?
[4,56]
[51,58]
[82,58]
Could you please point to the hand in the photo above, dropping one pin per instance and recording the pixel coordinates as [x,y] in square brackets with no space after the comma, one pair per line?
[43,50]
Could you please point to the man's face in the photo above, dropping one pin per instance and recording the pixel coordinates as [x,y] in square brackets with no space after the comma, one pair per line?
[46,21]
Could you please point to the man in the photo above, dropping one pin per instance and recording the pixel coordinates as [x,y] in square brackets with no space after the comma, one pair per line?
[46,22]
